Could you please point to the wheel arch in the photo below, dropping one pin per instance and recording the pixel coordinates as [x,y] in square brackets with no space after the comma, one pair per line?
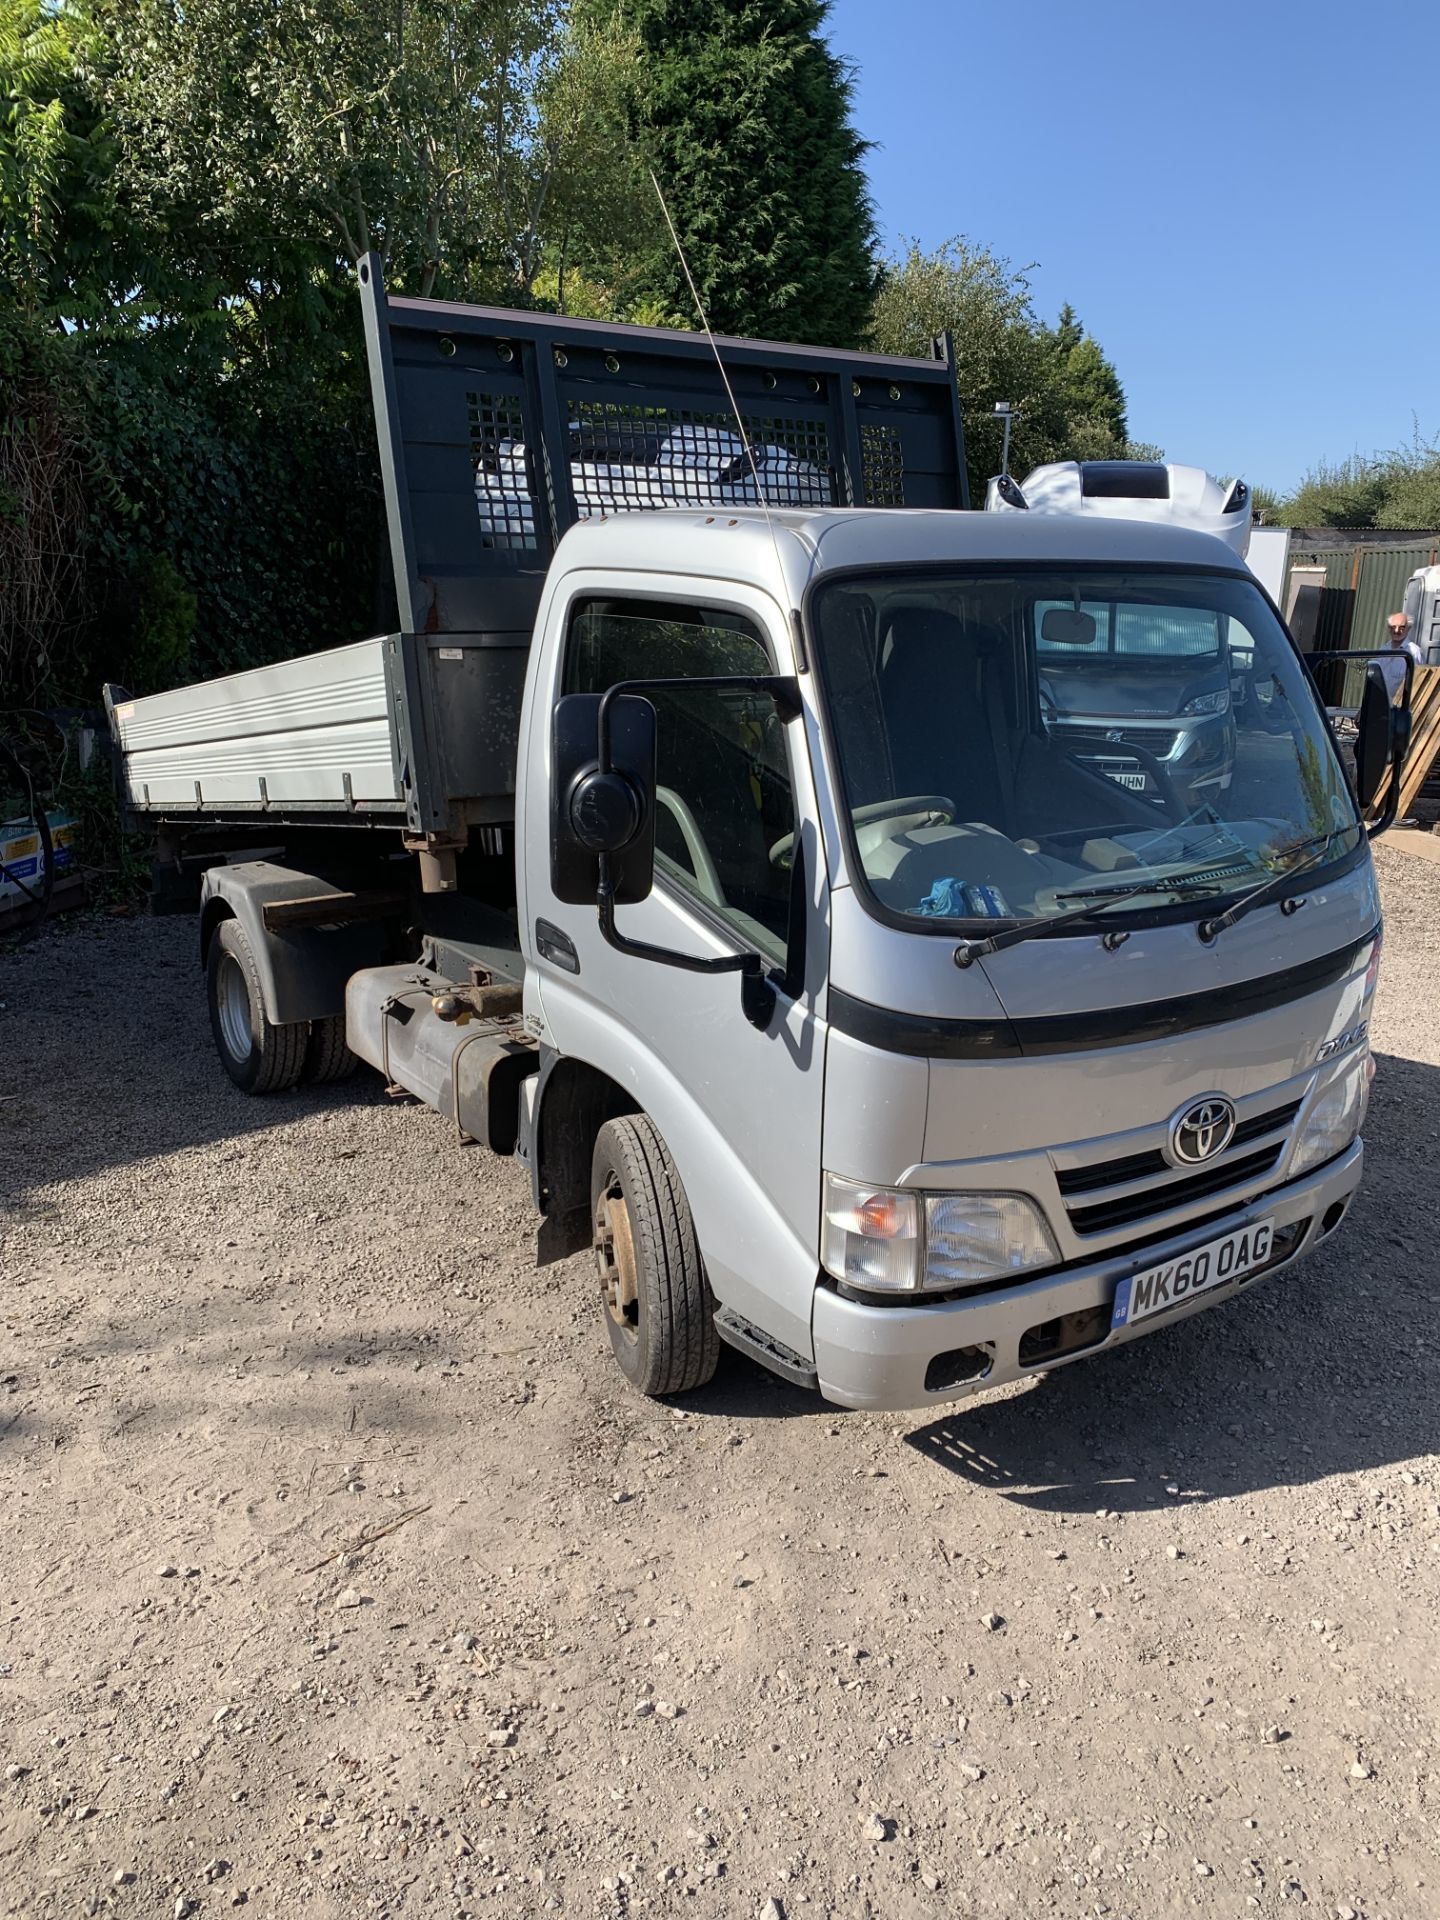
[573,1100]
[212,912]
[303,970]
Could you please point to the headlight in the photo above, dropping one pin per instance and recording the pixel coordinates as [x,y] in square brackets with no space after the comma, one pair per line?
[1218,702]
[1337,1115]
[877,1239]
[977,1236]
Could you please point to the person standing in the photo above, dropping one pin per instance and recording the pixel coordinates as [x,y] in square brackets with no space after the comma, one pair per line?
[1398,644]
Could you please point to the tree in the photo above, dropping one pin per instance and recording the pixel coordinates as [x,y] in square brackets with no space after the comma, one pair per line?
[1091,394]
[1000,354]
[1412,485]
[1397,489]
[62,252]
[187,461]
[1413,499]
[1069,401]
[1346,493]
[744,114]
[1266,504]
[597,225]
[309,132]
[56,216]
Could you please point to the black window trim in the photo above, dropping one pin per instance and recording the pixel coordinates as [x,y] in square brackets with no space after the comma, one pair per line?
[1137,920]
[705,911]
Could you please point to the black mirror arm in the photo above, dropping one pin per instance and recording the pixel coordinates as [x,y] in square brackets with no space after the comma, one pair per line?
[1375,828]
[642,950]
[1399,732]
[758,984]
[757,994]
[757,990]
[1400,748]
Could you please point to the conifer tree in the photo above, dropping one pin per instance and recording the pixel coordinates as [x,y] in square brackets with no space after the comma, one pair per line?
[743,110]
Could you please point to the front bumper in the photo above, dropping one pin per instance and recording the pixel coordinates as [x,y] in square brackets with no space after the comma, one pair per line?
[879,1356]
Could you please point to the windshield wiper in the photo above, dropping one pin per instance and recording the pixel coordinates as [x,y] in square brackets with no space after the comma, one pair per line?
[1316,847]
[969,951]
[1166,882]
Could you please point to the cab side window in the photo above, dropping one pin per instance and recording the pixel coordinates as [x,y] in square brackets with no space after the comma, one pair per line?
[724,797]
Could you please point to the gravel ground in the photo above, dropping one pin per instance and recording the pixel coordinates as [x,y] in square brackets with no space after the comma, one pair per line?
[343,1575]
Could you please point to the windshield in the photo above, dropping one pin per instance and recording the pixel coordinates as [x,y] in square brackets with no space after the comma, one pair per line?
[1012,746]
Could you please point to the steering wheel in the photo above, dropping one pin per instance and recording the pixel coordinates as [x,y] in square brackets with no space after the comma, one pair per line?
[706,874]
[1049,705]
[908,812]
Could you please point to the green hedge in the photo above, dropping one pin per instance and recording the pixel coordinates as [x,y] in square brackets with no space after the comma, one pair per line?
[173,505]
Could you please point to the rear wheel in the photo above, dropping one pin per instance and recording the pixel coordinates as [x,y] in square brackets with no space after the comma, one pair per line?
[659,1310]
[258,1056]
[327,1057]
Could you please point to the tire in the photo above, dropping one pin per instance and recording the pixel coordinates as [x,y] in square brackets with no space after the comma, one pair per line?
[658,1307]
[258,1056]
[327,1058]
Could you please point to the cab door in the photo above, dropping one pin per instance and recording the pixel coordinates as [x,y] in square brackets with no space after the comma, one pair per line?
[739,1108]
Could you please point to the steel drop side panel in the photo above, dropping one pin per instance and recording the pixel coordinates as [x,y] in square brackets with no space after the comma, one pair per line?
[306,735]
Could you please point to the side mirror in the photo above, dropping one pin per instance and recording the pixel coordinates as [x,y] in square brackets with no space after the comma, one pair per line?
[602,818]
[593,812]
[1377,740]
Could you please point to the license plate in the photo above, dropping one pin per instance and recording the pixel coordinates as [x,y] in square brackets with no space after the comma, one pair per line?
[1180,1280]
[1134,781]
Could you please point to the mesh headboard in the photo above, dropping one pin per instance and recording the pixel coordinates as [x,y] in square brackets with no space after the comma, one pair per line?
[498,430]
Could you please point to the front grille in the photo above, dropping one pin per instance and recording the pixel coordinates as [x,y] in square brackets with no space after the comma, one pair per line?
[1156,740]
[1136,1166]
[1109,1214]
[1117,1192]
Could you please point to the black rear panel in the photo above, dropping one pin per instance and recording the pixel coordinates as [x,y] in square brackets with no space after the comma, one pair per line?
[499,430]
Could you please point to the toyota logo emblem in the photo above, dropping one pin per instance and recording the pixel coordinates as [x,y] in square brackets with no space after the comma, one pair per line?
[1203,1129]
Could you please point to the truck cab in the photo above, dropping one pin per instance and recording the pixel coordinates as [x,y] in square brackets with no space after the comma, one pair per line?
[1004,991]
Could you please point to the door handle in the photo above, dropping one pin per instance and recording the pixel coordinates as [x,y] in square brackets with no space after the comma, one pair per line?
[556,946]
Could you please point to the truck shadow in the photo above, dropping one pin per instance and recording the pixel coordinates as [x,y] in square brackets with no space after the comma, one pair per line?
[119,1067]
[744,1390]
[1328,1369]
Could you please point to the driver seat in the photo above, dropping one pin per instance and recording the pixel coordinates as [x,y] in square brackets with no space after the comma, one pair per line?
[944,712]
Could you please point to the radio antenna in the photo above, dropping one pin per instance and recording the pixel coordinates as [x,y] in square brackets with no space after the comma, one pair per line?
[724,376]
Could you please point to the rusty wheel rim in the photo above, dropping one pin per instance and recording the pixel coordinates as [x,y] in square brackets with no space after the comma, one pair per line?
[615,1262]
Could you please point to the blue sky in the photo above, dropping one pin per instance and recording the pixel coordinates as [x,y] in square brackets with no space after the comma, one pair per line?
[1240,203]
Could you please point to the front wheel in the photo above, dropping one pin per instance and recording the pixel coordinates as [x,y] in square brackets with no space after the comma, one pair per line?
[659,1310]
[258,1056]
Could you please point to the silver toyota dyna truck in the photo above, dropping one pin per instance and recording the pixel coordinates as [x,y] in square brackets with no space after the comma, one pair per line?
[702,838]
